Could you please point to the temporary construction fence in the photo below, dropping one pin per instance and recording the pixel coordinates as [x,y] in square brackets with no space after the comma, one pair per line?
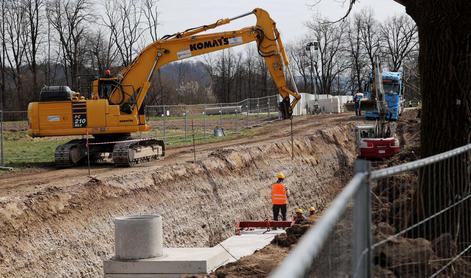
[175,124]
[13,126]
[178,124]
[410,220]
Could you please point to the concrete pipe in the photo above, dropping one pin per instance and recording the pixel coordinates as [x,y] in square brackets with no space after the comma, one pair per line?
[138,237]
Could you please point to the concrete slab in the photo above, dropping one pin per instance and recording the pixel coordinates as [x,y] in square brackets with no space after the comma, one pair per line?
[132,275]
[179,261]
[175,260]
[249,242]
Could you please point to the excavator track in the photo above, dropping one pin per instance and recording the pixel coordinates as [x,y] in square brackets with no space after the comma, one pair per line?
[122,152]
[70,153]
[132,152]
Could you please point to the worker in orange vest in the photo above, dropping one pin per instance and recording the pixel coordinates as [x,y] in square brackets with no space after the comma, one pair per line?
[279,197]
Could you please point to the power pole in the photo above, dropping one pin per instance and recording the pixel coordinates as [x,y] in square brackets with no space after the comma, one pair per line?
[2,97]
[309,48]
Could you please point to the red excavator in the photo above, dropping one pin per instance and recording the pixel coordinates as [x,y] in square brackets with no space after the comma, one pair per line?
[376,142]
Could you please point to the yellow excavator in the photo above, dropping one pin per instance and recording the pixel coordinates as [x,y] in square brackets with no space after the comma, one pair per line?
[115,108]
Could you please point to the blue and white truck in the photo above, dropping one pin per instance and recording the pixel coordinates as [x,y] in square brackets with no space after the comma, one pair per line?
[393,95]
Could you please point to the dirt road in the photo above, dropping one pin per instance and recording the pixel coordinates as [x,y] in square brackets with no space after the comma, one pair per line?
[33,179]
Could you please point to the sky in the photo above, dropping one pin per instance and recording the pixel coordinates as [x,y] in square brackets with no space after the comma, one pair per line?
[289,15]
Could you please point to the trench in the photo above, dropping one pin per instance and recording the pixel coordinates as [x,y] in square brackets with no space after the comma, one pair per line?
[68,231]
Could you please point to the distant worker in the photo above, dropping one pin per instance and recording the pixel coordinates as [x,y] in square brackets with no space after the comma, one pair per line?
[356,100]
[107,73]
[279,197]
[312,216]
[299,217]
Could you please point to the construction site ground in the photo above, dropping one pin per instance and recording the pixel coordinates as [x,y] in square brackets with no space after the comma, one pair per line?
[262,262]
[59,222]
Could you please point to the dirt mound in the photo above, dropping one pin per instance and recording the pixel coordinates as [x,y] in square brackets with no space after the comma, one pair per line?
[292,235]
[260,264]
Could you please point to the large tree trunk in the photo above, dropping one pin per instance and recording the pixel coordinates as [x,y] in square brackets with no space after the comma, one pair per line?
[445,70]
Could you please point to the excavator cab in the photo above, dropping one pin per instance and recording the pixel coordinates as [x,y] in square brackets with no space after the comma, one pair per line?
[104,87]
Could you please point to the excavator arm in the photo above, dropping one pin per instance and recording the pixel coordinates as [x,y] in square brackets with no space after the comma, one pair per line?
[133,82]
[381,104]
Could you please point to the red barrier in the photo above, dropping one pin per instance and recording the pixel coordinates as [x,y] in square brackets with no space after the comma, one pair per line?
[262,224]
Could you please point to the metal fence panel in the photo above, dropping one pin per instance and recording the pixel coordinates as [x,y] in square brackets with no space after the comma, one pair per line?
[325,250]
[422,217]
[420,224]
[176,124]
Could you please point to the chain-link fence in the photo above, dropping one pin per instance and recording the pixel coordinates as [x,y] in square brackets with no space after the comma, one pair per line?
[181,124]
[422,212]
[19,149]
[175,124]
[410,220]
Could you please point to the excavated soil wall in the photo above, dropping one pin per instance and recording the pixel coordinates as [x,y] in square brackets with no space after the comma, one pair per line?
[68,231]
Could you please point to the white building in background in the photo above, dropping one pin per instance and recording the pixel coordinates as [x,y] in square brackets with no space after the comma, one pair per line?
[326,103]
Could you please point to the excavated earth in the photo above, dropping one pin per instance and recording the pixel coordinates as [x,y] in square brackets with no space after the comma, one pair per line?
[60,224]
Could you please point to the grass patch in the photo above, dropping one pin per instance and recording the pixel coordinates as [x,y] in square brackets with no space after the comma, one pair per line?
[209,118]
[179,141]
[22,151]
[28,152]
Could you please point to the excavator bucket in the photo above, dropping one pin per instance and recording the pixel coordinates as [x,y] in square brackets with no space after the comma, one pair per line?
[368,105]
[284,107]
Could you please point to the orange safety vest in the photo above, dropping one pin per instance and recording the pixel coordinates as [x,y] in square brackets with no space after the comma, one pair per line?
[278,194]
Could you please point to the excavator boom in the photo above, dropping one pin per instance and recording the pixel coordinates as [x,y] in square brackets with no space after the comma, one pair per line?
[136,77]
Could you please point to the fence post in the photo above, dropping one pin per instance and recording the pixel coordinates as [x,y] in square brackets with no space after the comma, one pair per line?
[186,119]
[248,112]
[165,116]
[220,115]
[2,155]
[362,239]
[193,139]
[268,103]
[204,122]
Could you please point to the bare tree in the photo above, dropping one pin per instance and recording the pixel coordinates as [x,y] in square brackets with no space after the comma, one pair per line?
[103,51]
[250,71]
[369,29]
[3,54]
[356,54]
[298,55]
[399,36]
[263,78]
[16,40]
[331,52]
[235,76]
[69,19]
[151,13]
[411,77]
[34,16]
[123,18]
